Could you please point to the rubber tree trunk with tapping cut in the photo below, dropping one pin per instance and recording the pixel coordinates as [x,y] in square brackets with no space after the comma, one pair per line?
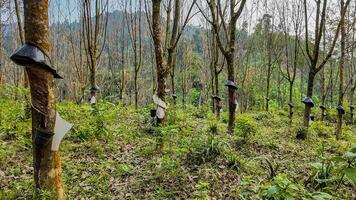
[157,40]
[231,93]
[229,50]
[47,163]
[291,102]
[171,60]
[307,108]
[341,72]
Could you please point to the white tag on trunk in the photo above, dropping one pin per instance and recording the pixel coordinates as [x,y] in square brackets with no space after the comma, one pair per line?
[60,129]
[159,102]
[93,100]
[160,112]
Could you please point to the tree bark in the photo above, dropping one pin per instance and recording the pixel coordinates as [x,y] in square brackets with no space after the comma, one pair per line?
[231,93]
[157,40]
[323,94]
[47,163]
[291,101]
[307,108]
[341,71]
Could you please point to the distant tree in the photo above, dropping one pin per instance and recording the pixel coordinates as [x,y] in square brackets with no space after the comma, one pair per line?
[172,37]
[95,21]
[341,110]
[134,27]
[291,16]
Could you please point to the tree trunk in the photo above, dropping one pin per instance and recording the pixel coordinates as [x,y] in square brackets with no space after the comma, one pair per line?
[47,163]
[231,94]
[323,94]
[352,92]
[93,75]
[161,69]
[216,85]
[136,89]
[310,86]
[172,66]
[341,73]
[268,86]
[291,102]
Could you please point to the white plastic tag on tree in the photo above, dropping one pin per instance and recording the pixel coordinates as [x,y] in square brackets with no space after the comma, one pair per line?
[237,105]
[159,102]
[60,129]
[160,112]
[93,100]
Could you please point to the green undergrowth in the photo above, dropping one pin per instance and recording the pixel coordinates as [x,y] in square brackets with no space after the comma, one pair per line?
[114,151]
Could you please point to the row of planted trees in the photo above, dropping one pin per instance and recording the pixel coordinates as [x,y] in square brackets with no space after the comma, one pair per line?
[281,42]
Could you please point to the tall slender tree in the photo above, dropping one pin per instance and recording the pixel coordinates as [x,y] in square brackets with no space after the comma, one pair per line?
[172,38]
[134,26]
[94,30]
[340,108]
[228,49]
[291,54]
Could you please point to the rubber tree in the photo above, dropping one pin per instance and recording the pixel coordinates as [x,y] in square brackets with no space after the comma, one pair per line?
[94,24]
[173,37]
[161,68]
[123,48]
[226,45]
[291,58]
[352,73]
[47,163]
[340,108]
[316,62]
[216,69]
[268,33]
[134,27]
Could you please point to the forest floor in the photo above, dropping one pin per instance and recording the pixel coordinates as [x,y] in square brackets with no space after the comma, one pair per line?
[114,152]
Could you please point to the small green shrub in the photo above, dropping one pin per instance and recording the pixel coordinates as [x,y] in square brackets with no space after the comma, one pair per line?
[321,129]
[282,188]
[246,126]
[234,162]
[203,151]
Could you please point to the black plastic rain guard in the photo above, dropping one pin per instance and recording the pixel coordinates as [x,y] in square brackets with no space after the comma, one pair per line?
[30,55]
[341,109]
[231,84]
[95,88]
[216,97]
[308,101]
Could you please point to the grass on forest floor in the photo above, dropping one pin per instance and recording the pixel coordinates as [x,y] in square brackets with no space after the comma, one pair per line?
[113,152]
